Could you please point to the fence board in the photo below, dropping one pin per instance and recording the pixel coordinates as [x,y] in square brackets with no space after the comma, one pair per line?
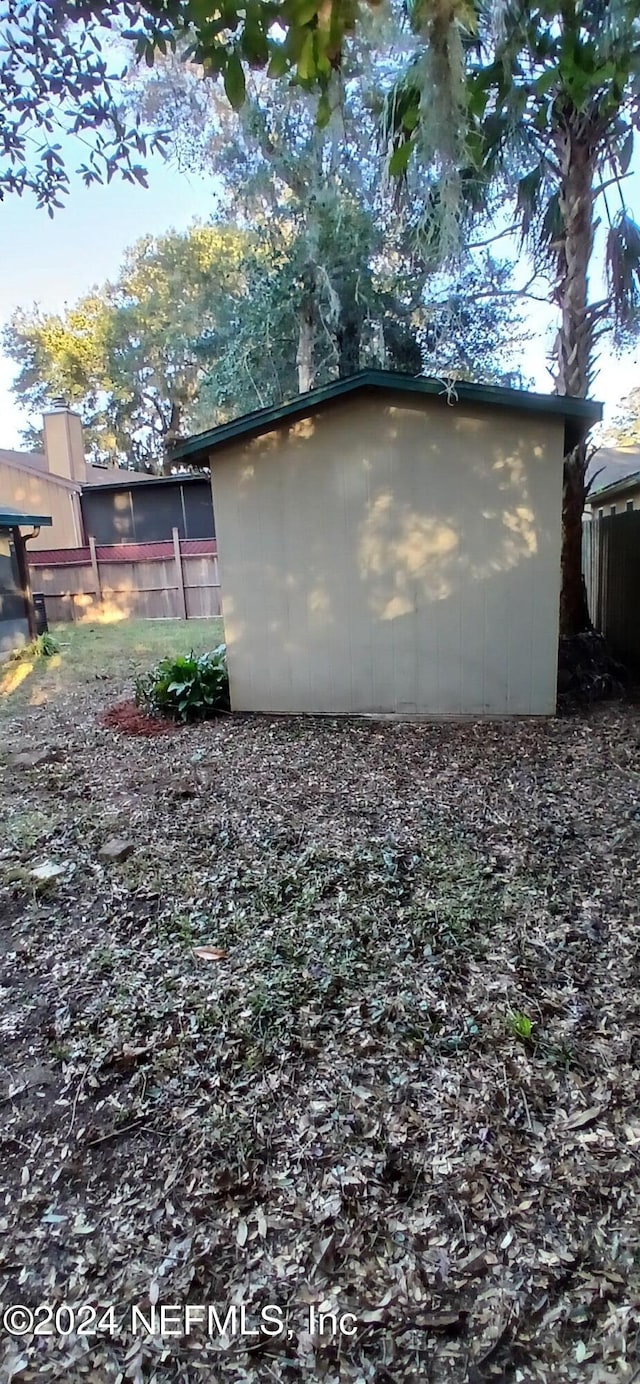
[203,603]
[611,565]
[140,580]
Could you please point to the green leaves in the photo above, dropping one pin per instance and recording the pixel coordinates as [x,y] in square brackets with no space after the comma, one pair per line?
[300,12]
[186,689]
[127,355]
[279,62]
[255,45]
[528,198]
[521,1026]
[307,62]
[301,39]
[323,115]
[234,82]
[399,161]
[626,151]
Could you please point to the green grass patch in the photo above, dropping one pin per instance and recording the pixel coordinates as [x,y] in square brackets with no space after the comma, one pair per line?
[118,651]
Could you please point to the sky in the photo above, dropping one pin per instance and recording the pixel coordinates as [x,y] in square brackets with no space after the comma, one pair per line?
[53,262]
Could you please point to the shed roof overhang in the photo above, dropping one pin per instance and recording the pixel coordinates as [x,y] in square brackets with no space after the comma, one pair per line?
[578,414]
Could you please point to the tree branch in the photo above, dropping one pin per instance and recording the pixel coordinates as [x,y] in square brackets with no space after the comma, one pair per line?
[480,244]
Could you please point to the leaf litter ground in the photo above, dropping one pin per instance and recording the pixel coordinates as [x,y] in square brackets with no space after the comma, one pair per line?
[356,1025]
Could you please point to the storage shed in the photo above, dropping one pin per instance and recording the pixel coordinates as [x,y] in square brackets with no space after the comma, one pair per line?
[391,545]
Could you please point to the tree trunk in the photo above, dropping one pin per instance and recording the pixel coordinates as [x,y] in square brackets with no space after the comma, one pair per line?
[305,358]
[348,342]
[348,331]
[171,435]
[574,610]
[574,348]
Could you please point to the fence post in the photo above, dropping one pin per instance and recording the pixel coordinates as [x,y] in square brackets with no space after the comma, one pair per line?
[182,604]
[94,567]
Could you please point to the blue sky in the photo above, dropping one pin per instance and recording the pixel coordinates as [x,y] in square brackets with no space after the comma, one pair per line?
[53,262]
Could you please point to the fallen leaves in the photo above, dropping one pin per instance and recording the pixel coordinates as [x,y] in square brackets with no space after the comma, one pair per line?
[343,1113]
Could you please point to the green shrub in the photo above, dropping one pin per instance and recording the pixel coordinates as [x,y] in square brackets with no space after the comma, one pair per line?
[186,688]
[45,646]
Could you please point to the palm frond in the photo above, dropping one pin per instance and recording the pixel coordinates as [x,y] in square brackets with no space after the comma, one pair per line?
[623,270]
[613,21]
[527,199]
[503,17]
[551,226]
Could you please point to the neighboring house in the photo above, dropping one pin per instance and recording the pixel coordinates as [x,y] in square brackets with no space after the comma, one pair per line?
[616,485]
[618,497]
[130,507]
[388,546]
[17,621]
[51,481]
[112,505]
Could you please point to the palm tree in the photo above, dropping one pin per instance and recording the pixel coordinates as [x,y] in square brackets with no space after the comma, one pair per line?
[542,103]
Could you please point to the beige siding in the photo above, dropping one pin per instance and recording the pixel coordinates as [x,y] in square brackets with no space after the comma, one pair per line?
[393,556]
[39,493]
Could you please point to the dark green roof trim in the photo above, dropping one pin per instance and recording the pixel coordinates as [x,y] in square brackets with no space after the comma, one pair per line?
[16,519]
[629,482]
[578,414]
[186,478]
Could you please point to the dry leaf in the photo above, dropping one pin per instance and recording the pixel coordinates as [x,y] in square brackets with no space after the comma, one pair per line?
[210,953]
[440,1321]
[48,870]
[584,1117]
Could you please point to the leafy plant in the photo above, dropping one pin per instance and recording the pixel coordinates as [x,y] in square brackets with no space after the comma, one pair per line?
[186,688]
[45,646]
[521,1026]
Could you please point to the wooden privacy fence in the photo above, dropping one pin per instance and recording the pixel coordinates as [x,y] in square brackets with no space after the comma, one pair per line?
[611,565]
[174,579]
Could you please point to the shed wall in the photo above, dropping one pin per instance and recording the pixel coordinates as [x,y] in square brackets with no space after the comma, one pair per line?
[393,556]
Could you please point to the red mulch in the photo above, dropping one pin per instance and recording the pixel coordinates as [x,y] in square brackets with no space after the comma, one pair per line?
[130,720]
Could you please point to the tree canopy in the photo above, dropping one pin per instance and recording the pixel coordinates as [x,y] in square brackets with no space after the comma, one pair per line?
[126,354]
[203,326]
[353,285]
[308,273]
[61,69]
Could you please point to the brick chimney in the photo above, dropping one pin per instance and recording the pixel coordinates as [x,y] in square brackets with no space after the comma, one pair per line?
[64,443]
